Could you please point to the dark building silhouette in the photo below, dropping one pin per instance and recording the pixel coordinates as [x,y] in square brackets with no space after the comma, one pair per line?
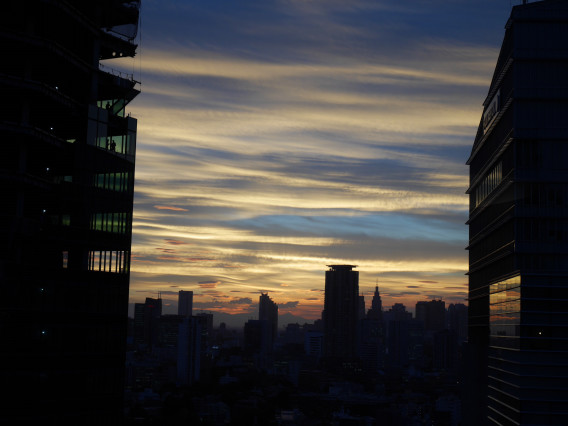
[341,312]
[432,314]
[268,311]
[518,226]
[372,341]
[190,349]
[147,321]
[405,344]
[456,320]
[397,312]
[361,306]
[185,303]
[256,337]
[376,310]
[67,177]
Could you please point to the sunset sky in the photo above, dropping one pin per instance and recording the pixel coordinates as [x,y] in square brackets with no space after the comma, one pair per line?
[276,137]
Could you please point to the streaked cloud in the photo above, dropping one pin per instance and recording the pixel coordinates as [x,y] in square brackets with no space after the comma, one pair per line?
[177,209]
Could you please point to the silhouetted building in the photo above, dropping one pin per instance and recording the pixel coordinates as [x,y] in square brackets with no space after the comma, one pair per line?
[397,312]
[313,344]
[376,310]
[189,350]
[432,314]
[268,311]
[405,344]
[147,321]
[256,336]
[445,351]
[361,306]
[518,227]
[185,303]
[67,178]
[456,320]
[138,327]
[341,312]
[372,341]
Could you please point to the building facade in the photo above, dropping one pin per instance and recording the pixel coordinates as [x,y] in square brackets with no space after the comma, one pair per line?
[67,176]
[518,228]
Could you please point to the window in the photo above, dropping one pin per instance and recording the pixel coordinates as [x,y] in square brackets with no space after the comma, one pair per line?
[65,258]
[488,184]
[114,261]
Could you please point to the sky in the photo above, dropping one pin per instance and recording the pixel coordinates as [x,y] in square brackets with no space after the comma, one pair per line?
[276,137]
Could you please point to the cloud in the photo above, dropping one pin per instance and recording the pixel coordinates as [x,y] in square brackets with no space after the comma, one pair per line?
[177,209]
[175,242]
[209,284]
[242,301]
[288,305]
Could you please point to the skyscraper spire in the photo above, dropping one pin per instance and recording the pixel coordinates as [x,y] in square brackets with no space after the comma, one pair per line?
[376,311]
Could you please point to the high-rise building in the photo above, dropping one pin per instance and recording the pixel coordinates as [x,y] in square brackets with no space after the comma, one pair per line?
[372,332]
[432,314]
[456,320]
[67,178]
[189,350]
[185,303]
[147,322]
[376,310]
[361,306]
[268,311]
[341,312]
[518,227]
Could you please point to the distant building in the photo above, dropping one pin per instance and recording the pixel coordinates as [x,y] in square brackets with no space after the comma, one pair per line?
[341,312]
[256,337]
[432,314]
[405,343]
[268,311]
[189,350]
[456,320]
[185,303]
[376,310]
[518,228]
[313,344]
[397,312]
[361,306]
[147,321]
[372,331]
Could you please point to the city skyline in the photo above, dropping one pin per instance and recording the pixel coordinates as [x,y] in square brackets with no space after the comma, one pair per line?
[276,139]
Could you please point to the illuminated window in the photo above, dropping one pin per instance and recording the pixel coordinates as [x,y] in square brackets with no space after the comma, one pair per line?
[488,184]
[115,222]
[504,311]
[112,181]
[65,256]
[113,261]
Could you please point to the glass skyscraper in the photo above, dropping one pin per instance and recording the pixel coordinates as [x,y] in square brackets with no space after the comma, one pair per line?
[518,228]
